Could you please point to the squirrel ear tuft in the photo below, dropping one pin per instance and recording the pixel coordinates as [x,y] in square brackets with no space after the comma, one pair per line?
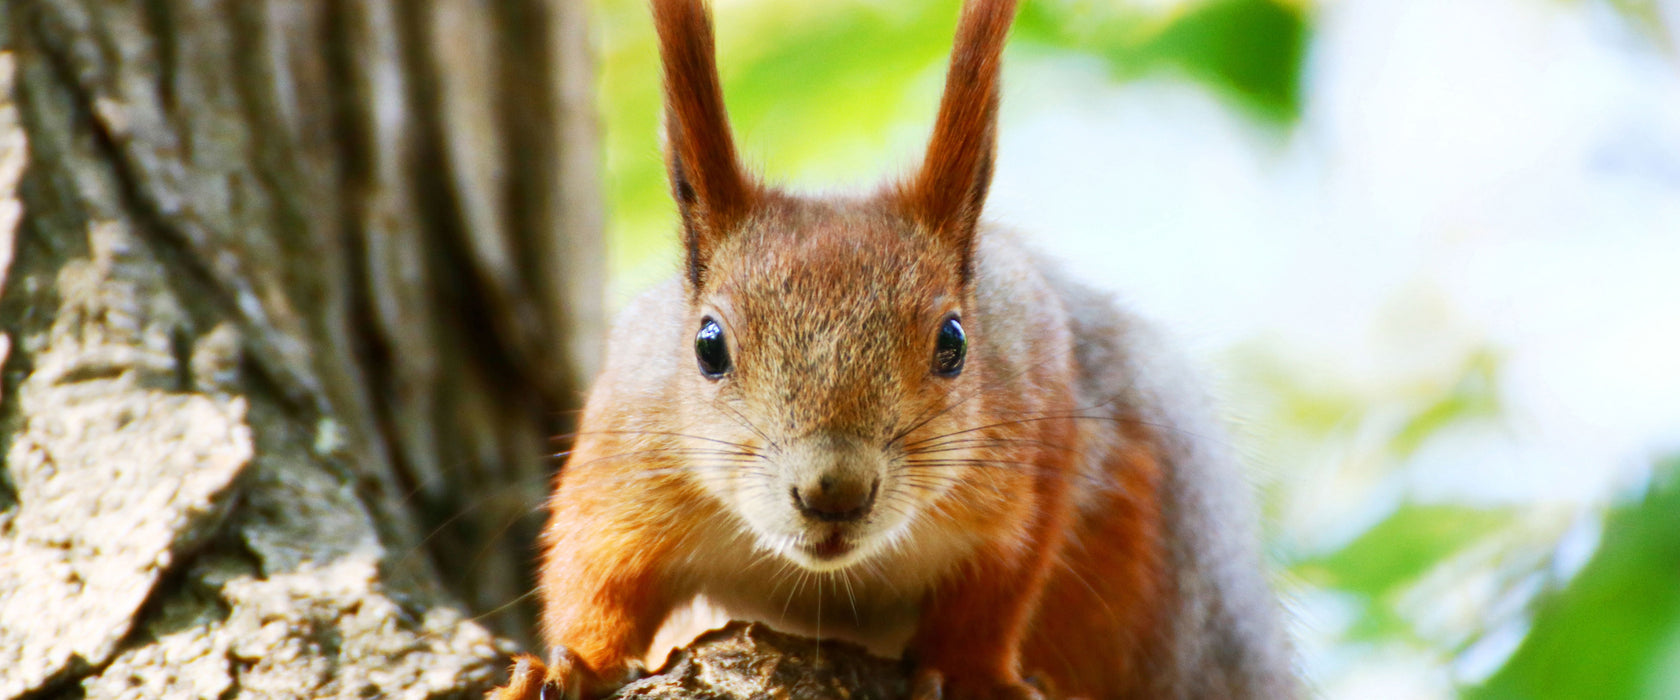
[947,194]
[712,192]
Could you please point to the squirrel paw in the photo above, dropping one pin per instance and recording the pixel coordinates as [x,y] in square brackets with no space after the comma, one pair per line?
[929,684]
[564,677]
[525,680]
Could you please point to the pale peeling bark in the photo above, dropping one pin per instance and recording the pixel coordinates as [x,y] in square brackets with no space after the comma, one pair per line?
[295,292]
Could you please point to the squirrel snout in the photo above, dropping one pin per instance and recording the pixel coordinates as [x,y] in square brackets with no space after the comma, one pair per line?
[834,500]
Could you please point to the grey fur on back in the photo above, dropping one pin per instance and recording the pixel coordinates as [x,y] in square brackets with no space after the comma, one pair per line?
[1228,638]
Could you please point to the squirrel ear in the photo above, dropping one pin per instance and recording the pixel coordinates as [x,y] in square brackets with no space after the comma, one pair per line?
[711,190]
[948,192]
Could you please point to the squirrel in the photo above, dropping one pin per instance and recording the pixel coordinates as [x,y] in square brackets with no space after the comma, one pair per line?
[881,406]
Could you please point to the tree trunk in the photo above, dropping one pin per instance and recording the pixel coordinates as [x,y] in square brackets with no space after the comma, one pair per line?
[299,291]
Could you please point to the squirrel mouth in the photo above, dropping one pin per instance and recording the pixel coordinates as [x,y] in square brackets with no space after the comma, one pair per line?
[832,547]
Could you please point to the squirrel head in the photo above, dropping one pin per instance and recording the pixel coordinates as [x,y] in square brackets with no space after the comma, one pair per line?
[830,335]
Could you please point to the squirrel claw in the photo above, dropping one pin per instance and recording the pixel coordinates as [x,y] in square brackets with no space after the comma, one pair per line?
[564,677]
[927,684]
[526,681]
[1013,691]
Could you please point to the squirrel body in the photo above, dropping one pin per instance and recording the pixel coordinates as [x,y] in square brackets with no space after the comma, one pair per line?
[877,419]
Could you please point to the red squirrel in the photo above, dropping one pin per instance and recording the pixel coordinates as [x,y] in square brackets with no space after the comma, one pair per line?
[881,407]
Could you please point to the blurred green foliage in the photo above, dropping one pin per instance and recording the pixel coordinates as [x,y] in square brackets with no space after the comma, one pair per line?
[1614,632]
[1402,547]
[1647,16]
[1379,567]
[1474,396]
[1611,630]
[1249,50]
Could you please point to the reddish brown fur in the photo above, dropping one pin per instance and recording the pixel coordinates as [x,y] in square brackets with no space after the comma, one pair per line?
[711,189]
[948,191]
[973,627]
[1111,571]
[1027,520]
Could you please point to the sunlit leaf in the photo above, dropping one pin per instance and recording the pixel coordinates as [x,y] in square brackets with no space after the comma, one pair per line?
[1250,50]
[1474,396]
[1403,547]
[1612,632]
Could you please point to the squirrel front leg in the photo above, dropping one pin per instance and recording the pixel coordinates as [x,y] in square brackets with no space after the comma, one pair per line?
[967,644]
[604,595]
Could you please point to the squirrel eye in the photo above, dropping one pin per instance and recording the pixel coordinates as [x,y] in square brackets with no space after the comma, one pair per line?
[711,350]
[950,348]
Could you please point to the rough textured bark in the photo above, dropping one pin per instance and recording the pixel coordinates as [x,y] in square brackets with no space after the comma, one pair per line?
[745,661]
[295,292]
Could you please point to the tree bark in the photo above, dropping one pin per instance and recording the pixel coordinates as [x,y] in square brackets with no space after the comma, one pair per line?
[295,294]
[746,661]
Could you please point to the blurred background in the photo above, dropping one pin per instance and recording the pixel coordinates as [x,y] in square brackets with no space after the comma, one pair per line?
[1426,252]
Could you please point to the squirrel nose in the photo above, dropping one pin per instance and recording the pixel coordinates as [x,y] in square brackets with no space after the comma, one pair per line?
[834,501]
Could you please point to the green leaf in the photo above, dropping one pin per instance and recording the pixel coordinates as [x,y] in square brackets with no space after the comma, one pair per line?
[1474,396]
[1614,632]
[1249,50]
[1403,547]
